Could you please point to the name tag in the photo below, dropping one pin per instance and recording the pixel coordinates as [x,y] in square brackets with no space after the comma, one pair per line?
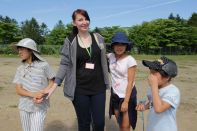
[89,66]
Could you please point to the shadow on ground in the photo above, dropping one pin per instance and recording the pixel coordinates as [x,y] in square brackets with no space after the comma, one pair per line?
[58,125]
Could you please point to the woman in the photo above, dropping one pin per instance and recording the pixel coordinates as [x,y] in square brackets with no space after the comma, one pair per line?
[83,68]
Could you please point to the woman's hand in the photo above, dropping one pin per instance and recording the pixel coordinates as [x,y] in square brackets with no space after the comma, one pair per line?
[50,90]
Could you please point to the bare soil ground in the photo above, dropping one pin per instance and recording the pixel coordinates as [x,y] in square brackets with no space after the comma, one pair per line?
[61,115]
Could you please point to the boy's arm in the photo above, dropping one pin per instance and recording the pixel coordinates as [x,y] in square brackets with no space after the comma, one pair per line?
[142,106]
[158,104]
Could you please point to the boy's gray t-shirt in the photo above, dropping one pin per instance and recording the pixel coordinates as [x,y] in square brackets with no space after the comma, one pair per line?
[165,121]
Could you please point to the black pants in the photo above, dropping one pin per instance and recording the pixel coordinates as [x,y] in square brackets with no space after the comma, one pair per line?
[116,102]
[90,109]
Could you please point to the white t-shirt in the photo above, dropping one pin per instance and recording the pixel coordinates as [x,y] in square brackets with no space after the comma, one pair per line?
[119,73]
[165,121]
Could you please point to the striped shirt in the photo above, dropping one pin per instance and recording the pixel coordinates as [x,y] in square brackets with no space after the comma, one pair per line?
[33,78]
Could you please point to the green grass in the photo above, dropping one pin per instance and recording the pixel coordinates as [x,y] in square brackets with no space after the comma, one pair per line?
[173,57]
[8,56]
[16,56]
[13,106]
[138,57]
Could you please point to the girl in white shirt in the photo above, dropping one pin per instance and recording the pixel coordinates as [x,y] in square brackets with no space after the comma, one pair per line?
[123,94]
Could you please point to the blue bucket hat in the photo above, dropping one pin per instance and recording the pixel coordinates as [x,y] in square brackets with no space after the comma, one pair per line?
[121,37]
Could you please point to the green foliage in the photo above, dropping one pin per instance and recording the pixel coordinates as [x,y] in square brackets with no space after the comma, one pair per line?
[193,20]
[31,29]
[49,49]
[58,34]
[108,32]
[97,30]
[7,19]
[161,36]
[177,18]
[9,31]
[161,33]
[7,49]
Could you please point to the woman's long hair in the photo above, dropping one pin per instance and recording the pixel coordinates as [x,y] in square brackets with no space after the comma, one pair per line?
[82,12]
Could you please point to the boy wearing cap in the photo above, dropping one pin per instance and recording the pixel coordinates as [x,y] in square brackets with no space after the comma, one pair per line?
[163,96]
[32,77]
[122,67]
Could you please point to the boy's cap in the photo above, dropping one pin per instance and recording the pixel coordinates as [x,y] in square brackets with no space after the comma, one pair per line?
[162,64]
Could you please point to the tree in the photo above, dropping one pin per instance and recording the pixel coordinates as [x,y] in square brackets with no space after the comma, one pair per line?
[7,19]
[97,30]
[171,16]
[9,31]
[193,20]
[108,32]
[178,18]
[58,34]
[44,30]
[161,33]
[31,29]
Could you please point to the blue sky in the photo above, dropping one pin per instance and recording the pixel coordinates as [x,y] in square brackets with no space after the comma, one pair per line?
[102,13]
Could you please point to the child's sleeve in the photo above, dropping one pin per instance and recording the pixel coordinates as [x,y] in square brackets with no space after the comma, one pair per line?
[17,77]
[172,97]
[131,62]
[50,74]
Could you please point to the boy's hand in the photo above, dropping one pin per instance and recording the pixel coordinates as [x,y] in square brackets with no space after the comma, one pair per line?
[140,107]
[153,81]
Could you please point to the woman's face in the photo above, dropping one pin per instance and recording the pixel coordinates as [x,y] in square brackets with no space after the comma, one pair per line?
[81,23]
[119,49]
[24,53]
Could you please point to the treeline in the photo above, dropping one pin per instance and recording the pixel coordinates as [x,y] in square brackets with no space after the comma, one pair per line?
[174,35]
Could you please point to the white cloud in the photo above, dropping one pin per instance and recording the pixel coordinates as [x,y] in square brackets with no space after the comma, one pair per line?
[136,10]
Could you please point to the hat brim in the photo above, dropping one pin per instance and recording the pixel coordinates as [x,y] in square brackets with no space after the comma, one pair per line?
[17,45]
[15,48]
[38,56]
[150,64]
[129,46]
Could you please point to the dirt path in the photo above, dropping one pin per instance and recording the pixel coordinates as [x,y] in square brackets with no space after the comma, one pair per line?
[61,115]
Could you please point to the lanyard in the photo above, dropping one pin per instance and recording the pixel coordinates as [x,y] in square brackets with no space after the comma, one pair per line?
[88,51]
